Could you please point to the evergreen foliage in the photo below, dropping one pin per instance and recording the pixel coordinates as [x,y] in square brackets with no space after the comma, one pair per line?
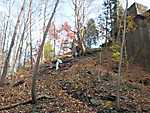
[91,34]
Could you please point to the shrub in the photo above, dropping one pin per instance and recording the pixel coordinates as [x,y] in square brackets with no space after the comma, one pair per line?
[115,52]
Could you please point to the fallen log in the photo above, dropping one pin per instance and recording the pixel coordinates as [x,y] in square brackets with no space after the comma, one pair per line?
[25,103]
[20,82]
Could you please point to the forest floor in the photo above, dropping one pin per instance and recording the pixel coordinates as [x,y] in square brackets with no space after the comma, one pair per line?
[82,85]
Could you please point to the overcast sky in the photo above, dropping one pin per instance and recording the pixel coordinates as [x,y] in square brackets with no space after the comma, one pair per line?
[64,12]
[67,13]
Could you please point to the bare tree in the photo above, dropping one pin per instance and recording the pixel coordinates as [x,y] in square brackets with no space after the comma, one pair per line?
[121,56]
[4,72]
[79,15]
[44,22]
[6,27]
[20,46]
[25,54]
[30,34]
[35,68]
[17,45]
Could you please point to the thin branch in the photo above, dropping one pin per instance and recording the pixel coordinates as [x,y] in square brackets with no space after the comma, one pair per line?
[121,56]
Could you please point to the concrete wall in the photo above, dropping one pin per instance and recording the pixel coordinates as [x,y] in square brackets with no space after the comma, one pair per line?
[138,43]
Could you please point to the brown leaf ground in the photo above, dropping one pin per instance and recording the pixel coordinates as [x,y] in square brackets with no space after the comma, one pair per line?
[83,87]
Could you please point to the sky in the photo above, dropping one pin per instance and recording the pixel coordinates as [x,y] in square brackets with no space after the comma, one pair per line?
[67,13]
[64,11]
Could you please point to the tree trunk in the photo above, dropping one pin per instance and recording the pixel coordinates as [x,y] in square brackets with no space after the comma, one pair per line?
[107,13]
[4,72]
[30,13]
[35,68]
[19,51]
[5,35]
[121,57]
[25,56]
[16,57]
[7,23]
[45,10]
[13,62]
[110,11]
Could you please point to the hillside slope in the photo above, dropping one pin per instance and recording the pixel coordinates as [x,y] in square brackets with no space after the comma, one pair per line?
[82,85]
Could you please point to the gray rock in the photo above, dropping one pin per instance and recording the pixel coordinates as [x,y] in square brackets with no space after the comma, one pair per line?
[95,102]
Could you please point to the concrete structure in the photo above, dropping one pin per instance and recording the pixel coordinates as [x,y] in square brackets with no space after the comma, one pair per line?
[136,9]
[138,41]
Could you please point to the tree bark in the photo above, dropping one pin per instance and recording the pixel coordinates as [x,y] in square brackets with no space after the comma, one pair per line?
[35,68]
[30,35]
[19,50]
[6,28]
[121,56]
[44,16]
[24,61]
[107,13]
[4,72]
[5,35]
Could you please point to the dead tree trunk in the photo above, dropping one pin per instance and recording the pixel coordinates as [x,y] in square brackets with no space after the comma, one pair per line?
[35,68]
[4,72]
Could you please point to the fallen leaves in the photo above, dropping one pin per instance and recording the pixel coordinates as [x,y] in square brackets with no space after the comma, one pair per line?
[85,87]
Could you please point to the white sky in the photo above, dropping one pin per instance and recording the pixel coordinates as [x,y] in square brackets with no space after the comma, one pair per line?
[64,12]
[144,2]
